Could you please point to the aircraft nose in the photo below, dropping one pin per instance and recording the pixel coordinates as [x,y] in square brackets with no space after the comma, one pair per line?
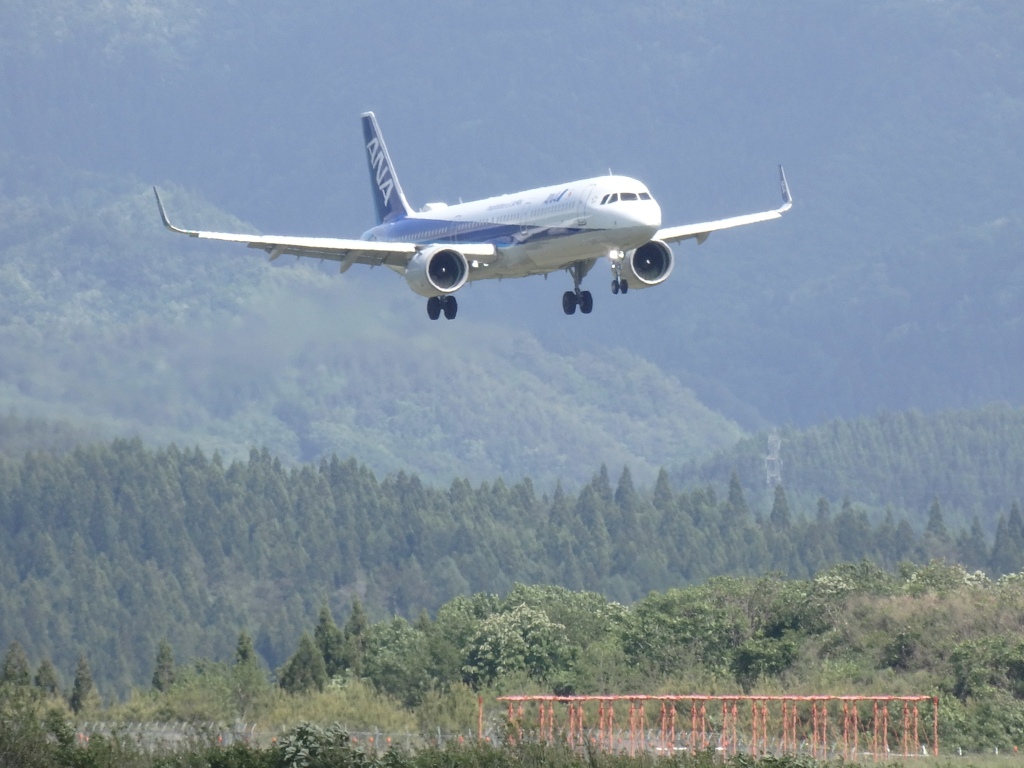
[654,214]
[646,214]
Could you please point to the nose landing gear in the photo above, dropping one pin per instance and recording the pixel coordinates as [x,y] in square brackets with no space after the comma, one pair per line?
[619,284]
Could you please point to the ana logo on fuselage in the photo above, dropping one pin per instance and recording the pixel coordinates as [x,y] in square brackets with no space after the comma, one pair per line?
[554,197]
[385,182]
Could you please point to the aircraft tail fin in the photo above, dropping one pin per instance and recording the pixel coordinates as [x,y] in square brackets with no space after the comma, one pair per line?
[388,198]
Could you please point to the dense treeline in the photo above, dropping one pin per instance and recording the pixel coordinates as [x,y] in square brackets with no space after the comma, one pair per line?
[855,629]
[972,460]
[111,547]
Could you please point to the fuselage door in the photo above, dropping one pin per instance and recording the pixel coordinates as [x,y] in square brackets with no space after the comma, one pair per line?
[581,206]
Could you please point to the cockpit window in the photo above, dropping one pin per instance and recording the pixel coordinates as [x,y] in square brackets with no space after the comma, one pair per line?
[628,196]
[604,199]
[645,196]
[614,198]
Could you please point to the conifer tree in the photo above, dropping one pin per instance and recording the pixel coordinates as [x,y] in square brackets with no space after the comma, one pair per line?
[331,642]
[736,505]
[972,549]
[663,497]
[1015,527]
[245,651]
[1008,547]
[163,673]
[249,683]
[779,515]
[355,638]
[46,678]
[936,524]
[823,514]
[15,670]
[903,542]
[305,671]
[82,686]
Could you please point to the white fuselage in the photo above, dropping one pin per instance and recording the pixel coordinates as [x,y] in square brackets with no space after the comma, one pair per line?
[539,230]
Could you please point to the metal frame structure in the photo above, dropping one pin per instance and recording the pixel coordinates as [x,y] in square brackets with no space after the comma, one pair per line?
[852,727]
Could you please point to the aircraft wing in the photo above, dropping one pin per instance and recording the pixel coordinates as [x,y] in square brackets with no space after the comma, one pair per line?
[702,230]
[346,251]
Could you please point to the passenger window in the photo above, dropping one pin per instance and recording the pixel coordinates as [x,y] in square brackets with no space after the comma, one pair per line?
[645,196]
[628,196]
[613,198]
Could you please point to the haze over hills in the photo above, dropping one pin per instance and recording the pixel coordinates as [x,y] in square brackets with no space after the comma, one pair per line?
[184,346]
[895,282]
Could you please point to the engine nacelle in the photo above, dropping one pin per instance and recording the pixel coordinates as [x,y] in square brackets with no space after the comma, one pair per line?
[436,271]
[648,265]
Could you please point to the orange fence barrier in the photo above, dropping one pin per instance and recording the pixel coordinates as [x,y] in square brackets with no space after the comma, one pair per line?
[851,727]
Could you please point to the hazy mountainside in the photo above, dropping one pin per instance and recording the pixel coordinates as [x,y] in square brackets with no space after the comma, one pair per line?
[894,283]
[110,325]
[971,461]
[111,547]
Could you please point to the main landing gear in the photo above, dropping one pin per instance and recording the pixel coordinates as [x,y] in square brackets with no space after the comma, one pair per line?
[577,298]
[582,299]
[438,304]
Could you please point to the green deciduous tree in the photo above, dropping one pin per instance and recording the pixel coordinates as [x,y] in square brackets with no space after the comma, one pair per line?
[523,639]
[761,657]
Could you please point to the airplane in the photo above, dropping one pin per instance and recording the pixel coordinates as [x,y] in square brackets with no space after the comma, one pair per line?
[441,247]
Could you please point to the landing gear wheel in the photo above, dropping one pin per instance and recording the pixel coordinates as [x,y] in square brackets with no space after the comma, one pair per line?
[569,303]
[434,307]
[451,307]
[615,286]
[623,286]
[586,303]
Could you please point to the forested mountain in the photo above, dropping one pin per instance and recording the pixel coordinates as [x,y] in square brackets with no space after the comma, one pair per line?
[111,547]
[894,283]
[119,331]
[972,462]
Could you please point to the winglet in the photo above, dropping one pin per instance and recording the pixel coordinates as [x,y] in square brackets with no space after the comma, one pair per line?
[787,197]
[167,222]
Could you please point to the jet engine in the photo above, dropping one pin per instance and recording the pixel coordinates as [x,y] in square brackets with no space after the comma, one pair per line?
[436,271]
[648,265]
